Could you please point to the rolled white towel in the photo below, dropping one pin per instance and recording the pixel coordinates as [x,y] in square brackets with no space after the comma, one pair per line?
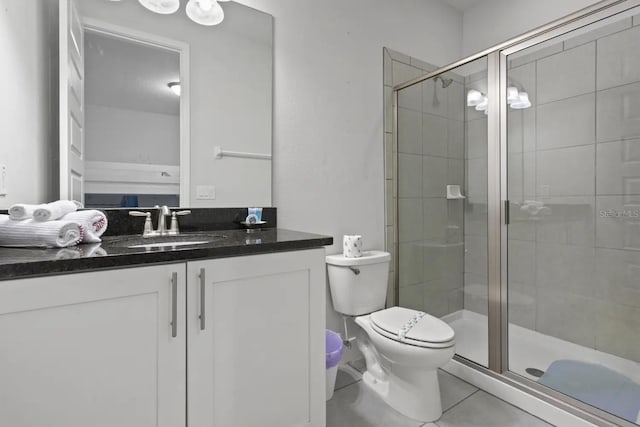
[22,211]
[30,233]
[94,222]
[55,210]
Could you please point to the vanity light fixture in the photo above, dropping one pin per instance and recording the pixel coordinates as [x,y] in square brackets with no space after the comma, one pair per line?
[522,102]
[163,7]
[203,12]
[175,87]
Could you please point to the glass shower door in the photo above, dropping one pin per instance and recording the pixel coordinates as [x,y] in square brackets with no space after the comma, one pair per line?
[442,202]
[573,141]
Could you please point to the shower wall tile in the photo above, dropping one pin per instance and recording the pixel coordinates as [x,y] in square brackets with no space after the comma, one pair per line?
[618,167]
[477,138]
[617,277]
[524,78]
[388,110]
[412,297]
[436,302]
[566,316]
[566,172]
[435,219]
[398,56]
[410,220]
[455,144]
[424,66]
[566,123]
[522,263]
[435,135]
[618,222]
[617,330]
[618,113]
[410,98]
[475,260]
[456,300]
[456,101]
[388,156]
[403,72]
[568,220]
[522,228]
[535,53]
[476,296]
[475,218]
[598,33]
[434,176]
[564,268]
[566,74]
[522,305]
[636,20]
[521,175]
[618,61]
[410,264]
[521,130]
[435,98]
[409,131]
[390,202]
[387,68]
[409,175]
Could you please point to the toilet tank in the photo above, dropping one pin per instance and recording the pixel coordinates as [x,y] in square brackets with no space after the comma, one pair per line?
[358,285]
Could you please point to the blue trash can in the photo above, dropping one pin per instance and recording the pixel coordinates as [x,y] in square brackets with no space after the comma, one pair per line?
[333,349]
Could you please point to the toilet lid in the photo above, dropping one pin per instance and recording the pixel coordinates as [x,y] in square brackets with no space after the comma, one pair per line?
[412,327]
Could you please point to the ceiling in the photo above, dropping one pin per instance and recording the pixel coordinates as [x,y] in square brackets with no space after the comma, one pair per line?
[462,5]
[128,75]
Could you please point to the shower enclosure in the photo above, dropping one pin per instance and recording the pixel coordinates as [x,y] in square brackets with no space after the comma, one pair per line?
[518,209]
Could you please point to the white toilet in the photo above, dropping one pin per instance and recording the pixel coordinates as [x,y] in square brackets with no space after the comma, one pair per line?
[403,348]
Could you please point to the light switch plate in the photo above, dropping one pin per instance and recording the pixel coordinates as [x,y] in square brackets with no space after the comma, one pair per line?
[3,180]
[205,192]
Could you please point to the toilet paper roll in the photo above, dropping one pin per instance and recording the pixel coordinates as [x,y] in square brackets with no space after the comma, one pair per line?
[352,246]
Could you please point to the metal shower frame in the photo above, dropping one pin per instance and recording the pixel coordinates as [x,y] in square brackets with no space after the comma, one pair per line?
[498,199]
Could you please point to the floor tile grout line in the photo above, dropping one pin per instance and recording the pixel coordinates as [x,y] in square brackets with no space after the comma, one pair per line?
[458,403]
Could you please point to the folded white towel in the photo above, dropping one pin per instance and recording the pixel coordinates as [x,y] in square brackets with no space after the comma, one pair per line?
[22,211]
[55,210]
[89,250]
[94,222]
[30,233]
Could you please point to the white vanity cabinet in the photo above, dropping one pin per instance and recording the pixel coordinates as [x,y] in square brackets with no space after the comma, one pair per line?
[99,349]
[255,333]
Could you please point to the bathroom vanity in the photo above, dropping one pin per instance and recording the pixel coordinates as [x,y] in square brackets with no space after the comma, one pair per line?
[225,333]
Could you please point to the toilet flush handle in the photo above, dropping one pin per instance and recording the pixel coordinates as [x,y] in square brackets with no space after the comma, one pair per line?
[356,271]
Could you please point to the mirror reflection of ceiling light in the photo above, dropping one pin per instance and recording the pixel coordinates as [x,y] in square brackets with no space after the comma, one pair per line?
[205,12]
[474,98]
[515,99]
[163,7]
[175,87]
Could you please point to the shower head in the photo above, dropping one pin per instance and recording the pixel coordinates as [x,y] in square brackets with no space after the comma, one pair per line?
[445,82]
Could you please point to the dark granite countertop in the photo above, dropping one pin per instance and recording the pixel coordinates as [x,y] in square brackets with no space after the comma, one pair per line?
[116,251]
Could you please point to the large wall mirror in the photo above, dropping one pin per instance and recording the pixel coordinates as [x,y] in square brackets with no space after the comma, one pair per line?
[157,109]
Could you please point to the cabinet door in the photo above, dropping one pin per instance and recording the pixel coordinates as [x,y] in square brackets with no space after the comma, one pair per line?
[94,349]
[257,357]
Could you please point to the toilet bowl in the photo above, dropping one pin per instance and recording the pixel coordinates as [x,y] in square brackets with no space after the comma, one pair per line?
[403,348]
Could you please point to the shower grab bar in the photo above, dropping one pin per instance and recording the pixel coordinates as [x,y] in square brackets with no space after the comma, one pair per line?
[220,153]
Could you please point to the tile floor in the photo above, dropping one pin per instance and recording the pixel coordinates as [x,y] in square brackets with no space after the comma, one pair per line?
[354,405]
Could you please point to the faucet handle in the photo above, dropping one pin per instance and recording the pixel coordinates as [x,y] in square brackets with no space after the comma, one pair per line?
[175,229]
[148,227]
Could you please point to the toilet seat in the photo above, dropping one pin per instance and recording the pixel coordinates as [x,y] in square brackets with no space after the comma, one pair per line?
[412,327]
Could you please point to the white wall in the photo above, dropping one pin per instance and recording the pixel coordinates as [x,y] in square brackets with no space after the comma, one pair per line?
[328,130]
[493,21]
[25,124]
[119,135]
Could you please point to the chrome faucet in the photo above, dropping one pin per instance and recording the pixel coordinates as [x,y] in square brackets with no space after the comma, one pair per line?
[161,230]
[163,211]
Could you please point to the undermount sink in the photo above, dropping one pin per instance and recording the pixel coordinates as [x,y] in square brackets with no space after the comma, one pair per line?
[167,241]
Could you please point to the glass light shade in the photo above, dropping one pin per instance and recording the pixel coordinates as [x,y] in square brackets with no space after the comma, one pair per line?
[205,12]
[522,102]
[482,106]
[163,7]
[175,87]
[512,95]
[473,98]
